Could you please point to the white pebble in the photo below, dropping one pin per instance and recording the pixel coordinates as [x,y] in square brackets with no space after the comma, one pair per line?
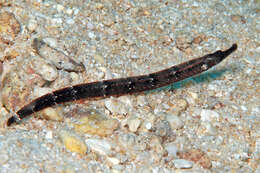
[113,160]
[92,35]
[99,58]
[126,101]
[76,11]
[182,164]
[148,125]
[3,158]
[69,11]
[147,169]
[49,135]
[50,41]
[32,25]
[59,8]
[133,124]
[56,21]
[210,129]
[116,107]
[100,146]
[48,72]
[99,5]
[256,110]
[174,121]
[39,91]
[141,100]
[70,21]
[194,95]
[257,146]
[212,87]
[171,149]
[181,104]
[208,115]
[244,108]
[90,26]
[52,114]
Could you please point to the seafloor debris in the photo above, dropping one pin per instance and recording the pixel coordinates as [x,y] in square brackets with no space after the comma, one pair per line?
[9,29]
[56,57]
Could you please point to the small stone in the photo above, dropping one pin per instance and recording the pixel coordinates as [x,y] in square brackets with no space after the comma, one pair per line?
[4,158]
[99,58]
[220,7]
[73,143]
[148,125]
[96,124]
[146,169]
[1,68]
[257,146]
[174,121]
[74,77]
[4,116]
[115,170]
[49,135]
[69,11]
[155,144]
[141,100]
[209,115]
[13,90]
[99,6]
[182,104]
[244,108]
[196,156]
[183,43]
[193,95]
[90,26]
[68,169]
[171,149]
[212,86]
[191,100]
[9,28]
[146,13]
[51,41]
[40,91]
[92,35]
[116,107]
[238,19]
[76,11]
[126,101]
[197,40]
[47,71]
[133,124]
[46,49]
[32,25]
[113,160]
[70,21]
[99,146]
[210,129]
[59,8]
[144,157]
[178,106]
[182,164]
[52,114]
[163,129]
[127,140]
[108,21]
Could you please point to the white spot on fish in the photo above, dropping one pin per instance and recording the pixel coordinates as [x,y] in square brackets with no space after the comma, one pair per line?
[204,67]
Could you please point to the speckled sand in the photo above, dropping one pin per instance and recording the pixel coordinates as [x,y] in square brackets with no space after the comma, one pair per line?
[209,123]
